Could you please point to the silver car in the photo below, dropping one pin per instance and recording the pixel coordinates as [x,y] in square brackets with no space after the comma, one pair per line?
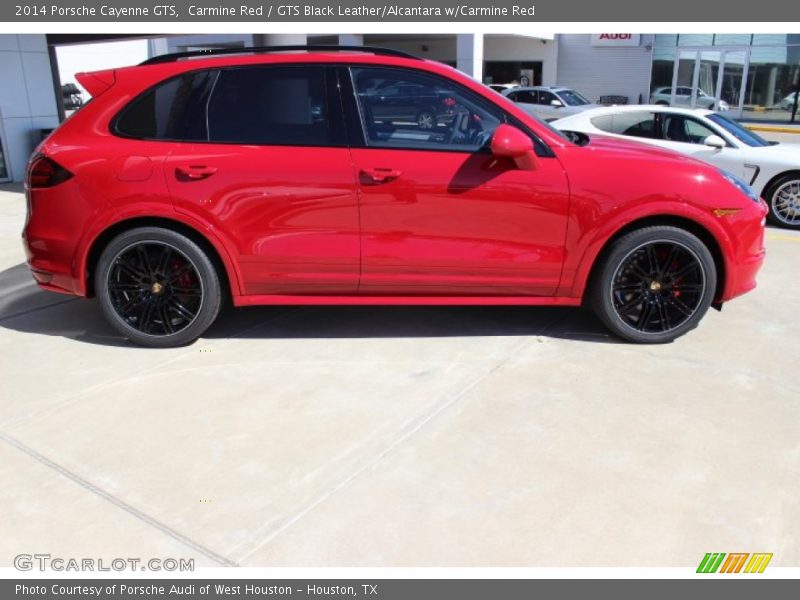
[683,97]
[549,102]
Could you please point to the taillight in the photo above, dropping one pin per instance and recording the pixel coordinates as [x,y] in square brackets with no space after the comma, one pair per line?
[44,172]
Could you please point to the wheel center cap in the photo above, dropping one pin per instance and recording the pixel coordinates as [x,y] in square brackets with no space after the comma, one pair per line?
[156,288]
[655,286]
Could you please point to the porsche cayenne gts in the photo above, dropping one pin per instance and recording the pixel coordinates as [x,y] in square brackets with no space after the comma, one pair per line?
[275,176]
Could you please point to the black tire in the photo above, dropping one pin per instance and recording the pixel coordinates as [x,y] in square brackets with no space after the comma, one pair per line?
[783,198]
[157,287]
[654,284]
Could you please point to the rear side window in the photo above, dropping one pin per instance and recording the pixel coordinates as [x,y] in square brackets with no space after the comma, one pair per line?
[524,96]
[270,105]
[635,124]
[172,110]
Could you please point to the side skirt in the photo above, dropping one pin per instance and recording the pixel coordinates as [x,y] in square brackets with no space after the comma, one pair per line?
[407,300]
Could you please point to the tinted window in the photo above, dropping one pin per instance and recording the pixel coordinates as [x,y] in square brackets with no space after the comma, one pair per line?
[172,110]
[270,105]
[437,114]
[546,98]
[678,128]
[527,96]
[635,124]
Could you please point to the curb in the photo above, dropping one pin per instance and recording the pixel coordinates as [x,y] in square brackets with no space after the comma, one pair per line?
[773,129]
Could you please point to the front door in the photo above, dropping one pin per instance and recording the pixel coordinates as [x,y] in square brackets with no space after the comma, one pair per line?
[439,213]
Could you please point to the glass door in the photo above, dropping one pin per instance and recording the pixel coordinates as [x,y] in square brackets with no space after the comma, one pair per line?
[704,78]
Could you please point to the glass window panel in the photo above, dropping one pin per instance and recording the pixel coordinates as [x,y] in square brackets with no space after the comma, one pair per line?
[772,79]
[661,75]
[732,39]
[666,39]
[695,39]
[770,39]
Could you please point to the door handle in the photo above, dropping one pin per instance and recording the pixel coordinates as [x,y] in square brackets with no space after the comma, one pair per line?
[380,175]
[195,171]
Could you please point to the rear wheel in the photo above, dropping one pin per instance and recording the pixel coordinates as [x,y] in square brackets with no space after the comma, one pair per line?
[783,197]
[157,287]
[655,285]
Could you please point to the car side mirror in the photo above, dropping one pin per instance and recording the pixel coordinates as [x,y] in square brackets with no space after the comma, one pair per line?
[714,141]
[556,103]
[510,142]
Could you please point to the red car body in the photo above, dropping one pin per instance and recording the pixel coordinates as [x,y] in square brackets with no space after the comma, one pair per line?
[361,225]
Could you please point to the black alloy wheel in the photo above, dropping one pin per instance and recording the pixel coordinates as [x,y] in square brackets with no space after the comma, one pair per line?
[157,287]
[656,285]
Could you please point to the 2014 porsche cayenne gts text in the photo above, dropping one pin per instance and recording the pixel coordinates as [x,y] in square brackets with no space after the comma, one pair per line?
[340,175]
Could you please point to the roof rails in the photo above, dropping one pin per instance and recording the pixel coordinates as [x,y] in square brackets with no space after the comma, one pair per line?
[175,56]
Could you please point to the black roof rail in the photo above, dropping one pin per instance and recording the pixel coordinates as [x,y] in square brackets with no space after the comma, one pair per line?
[175,56]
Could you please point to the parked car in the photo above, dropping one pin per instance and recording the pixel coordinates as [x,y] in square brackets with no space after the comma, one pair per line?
[683,97]
[549,102]
[259,177]
[393,102]
[788,102]
[772,169]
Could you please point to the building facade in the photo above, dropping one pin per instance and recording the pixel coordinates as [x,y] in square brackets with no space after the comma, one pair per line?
[27,100]
[753,76]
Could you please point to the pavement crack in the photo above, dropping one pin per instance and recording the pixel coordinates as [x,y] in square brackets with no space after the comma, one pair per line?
[131,510]
[277,526]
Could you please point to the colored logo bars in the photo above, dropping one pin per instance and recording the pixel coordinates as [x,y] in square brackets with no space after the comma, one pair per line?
[714,562]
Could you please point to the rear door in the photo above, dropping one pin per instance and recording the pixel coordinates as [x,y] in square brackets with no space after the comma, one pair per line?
[269,166]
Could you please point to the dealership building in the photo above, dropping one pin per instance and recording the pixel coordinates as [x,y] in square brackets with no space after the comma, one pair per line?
[754,75]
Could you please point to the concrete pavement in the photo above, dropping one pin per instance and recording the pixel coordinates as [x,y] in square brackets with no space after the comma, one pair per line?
[399,436]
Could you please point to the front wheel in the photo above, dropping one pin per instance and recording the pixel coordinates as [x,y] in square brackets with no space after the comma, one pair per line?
[654,285]
[783,197]
[157,287]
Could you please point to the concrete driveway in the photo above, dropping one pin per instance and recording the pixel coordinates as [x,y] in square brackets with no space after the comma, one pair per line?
[399,436]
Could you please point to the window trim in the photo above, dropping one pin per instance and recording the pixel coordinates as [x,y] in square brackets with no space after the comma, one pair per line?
[360,141]
[338,125]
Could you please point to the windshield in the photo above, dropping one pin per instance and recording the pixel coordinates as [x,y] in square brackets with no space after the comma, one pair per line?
[573,98]
[744,135]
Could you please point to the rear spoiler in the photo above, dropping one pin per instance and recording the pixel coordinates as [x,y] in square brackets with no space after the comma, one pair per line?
[97,82]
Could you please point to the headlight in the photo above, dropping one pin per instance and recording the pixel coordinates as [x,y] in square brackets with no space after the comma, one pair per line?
[741,185]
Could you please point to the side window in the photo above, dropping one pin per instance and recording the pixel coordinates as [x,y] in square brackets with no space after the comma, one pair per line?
[526,96]
[171,110]
[546,97]
[437,114]
[270,105]
[636,124]
[678,128]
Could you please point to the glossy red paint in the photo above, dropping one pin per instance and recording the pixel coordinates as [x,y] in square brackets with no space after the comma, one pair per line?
[360,225]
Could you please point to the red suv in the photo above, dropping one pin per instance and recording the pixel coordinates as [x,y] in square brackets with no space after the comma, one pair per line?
[288,175]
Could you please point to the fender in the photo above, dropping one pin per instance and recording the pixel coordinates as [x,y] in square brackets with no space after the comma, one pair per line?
[589,249]
[116,215]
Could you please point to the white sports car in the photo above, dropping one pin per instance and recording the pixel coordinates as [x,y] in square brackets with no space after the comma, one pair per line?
[772,169]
